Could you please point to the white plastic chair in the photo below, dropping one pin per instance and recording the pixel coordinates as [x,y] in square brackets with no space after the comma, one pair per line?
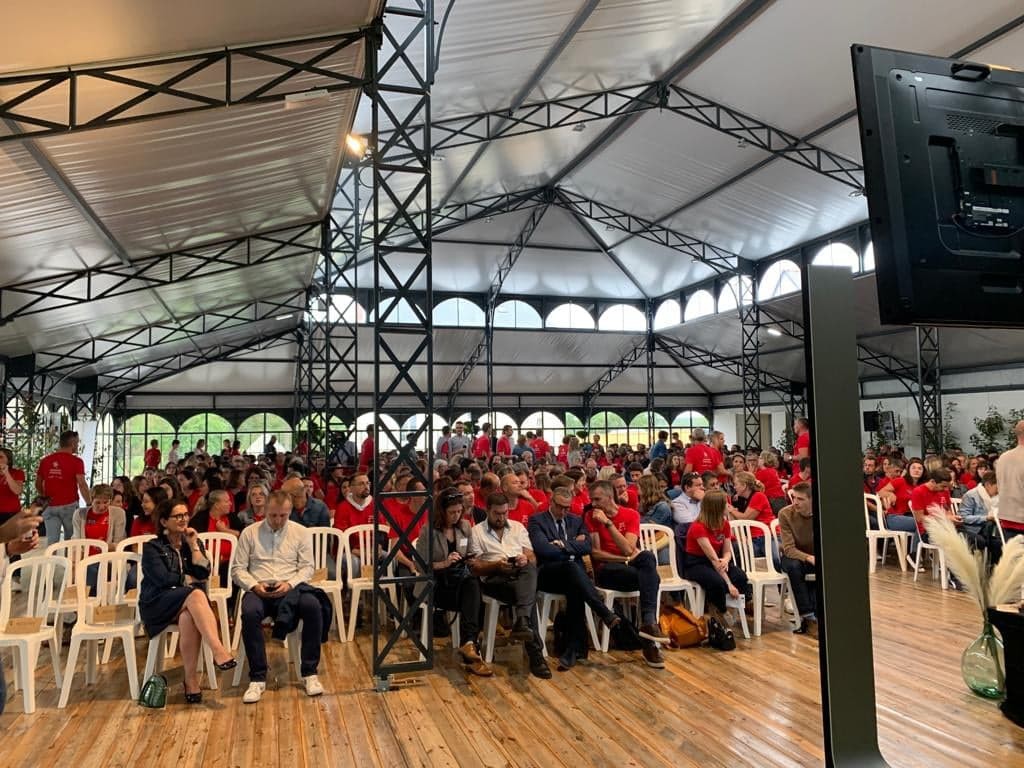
[900,539]
[134,543]
[546,602]
[39,582]
[73,551]
[955,505]
[760,572]
[326,541]
[938,562]
[111,572]
[361,583]
[673,582]
[158,651]
[492,608]
[999,527]
[217,590]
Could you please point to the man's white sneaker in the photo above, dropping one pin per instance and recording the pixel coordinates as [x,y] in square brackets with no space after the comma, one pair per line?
[313,685]
[254,693]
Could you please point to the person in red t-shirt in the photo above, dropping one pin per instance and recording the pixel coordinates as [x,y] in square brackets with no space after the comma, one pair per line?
[709,558]
[932,498]
[540,447]
[505,441]
[620,564]
[482,445]
[145,524]
[61,479]
[802,444]
[750,496]
[768,476]
[12,482]
[100,521]
[701,457]
[521,503]
[152,457]
[366,452]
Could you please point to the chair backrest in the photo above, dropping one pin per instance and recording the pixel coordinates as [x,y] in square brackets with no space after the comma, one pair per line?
[74,551]
[112,570]
[212,541]
[134,543]
[365,538]
[649,533]
[999,529]
[955,505]
[873,498]
[40,583]
[744,546]
[326,542]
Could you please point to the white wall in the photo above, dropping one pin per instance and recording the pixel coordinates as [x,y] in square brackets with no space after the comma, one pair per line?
[725,419]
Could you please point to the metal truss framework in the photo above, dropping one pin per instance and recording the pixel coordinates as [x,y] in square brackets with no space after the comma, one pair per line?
[930,388]
[70,289]
[173,85]
[486,345]
[750,328]
[328,354]
[399,94]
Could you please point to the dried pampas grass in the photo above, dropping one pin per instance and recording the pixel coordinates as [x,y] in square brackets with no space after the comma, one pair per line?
[969,567]
[1004,585]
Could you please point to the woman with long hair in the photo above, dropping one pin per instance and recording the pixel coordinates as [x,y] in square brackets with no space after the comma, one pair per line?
[752,504]
[146,521]
[166,599]
[171,488]
[709,562]
[255,503]
[768,476]
[455,588]
[654,505]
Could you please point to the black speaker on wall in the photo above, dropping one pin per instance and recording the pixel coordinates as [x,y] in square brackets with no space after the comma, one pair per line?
[870,421]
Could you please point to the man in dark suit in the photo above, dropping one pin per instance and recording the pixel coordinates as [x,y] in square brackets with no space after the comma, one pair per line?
[560,541]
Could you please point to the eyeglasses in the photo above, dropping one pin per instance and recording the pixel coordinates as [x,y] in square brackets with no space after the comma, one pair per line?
[178,517]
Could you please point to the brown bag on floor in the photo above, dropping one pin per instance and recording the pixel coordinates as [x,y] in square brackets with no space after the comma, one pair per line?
[683,628]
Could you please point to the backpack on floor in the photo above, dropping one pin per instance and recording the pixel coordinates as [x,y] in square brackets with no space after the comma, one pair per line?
[683,628]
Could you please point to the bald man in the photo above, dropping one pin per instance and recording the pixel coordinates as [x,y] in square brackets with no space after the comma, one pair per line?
[1010,478]
[306,510]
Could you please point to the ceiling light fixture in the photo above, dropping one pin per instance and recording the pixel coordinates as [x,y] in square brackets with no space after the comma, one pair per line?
[356,144]
[295,100]
[489,219]
[579,127]
[774,332]
[284,317]
[437,157]
[741,143]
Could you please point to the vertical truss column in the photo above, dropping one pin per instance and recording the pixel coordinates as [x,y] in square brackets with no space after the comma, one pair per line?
[750,325]
[929,386]
[399,92]
[328,352]
[649,317]
[796,406]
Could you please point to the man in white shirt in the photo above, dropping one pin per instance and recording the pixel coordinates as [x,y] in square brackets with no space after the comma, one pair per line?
[686,506]
[458,444]
[502,557]
[1010,477]
[272,559]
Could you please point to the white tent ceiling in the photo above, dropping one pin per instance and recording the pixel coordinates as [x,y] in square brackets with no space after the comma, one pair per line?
[183,181]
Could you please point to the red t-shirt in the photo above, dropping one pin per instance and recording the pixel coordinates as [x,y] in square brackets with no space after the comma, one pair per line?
[543,500]
[967,479]
[923,497]
[632,498]
[152,458]
[702,458]
[9,500]
[193,499]
[225,546]
[504,446]
[402,515]
[901,491]
[482,447]
[366,454]
[521,511]
[765,515]
[698,530]
[626,521]
[59,474]
[96,526]
[540,448]
[802,441]
[142,525]
[769,478]
[563,455]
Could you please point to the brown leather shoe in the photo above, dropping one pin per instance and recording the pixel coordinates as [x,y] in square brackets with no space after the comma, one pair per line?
[469,653]
[652,655]
[480,668]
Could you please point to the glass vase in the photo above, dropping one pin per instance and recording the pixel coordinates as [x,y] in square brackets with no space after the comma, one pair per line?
[982,665]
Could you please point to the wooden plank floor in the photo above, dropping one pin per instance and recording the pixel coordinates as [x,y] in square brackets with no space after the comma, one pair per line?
[757,706]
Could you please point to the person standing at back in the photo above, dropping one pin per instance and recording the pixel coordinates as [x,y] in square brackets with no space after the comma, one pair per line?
[701,457]
[61,478]
[1010,480]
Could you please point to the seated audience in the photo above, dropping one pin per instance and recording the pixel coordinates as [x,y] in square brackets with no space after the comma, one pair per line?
[796,526]
[100,520]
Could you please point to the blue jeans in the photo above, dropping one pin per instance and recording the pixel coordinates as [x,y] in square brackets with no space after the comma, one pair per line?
[56,518]
[906,524]
[759,551]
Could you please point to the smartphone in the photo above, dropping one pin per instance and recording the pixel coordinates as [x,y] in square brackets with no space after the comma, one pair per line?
[512,561]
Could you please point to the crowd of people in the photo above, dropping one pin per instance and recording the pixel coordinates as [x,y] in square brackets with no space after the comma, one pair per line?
[512,515]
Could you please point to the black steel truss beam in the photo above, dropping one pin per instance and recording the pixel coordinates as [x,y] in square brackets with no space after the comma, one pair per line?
[750,365]
[70,289]
[637,352]
[172,85]
[929,385]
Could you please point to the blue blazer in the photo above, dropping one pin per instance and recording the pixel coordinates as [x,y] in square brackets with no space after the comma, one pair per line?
[543,531]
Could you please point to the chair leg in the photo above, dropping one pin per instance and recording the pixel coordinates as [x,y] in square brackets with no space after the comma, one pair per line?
[453,622]
[741,610]
[606,633]
[54,643]
[758,608]
[128,638]
[222,616]
[490,629]
[901,551]
[108,646]
[917,560]
[153,660]
[423,628]
[353,613]
[542,623]
[592,627]
[92,653]
[241,665]
[872,556]
[339,614]
[206,660]
[28,655]
[69,671]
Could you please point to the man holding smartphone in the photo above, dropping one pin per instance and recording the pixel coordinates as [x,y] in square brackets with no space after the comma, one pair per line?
[273,564]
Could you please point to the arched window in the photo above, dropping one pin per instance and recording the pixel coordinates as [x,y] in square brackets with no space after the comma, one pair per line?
[610,426]
[255,432]
[736,292]
[460,312]
[553,427]
[346,309]
[210,427]
[700,304]
[386,442]
[780,278]
[138,431]
[573,423]
[838,255]
[687,421]
[669,314]
[516,314]
[570,316]
[642,428]
[403,313]
[317,436]
[869,258]
[496,419]
[622,317]
[414,422]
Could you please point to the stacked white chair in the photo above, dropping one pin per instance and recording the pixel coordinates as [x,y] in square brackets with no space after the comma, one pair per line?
[218,590]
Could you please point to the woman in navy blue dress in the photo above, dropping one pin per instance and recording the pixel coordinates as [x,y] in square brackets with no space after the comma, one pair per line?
[165,598]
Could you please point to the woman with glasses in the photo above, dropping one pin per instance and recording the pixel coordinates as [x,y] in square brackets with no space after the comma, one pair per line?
[165,598]
[455,588]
